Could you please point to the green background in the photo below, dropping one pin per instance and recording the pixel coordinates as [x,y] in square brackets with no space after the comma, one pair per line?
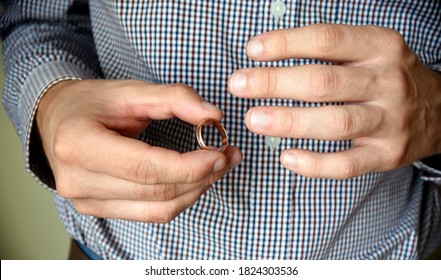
[30,227]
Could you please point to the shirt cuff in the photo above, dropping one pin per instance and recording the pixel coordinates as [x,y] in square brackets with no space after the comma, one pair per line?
[37,83]
[435,67]
[431,168]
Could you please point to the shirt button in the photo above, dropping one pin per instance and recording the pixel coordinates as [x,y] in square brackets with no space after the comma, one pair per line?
[278,9]
[272,142]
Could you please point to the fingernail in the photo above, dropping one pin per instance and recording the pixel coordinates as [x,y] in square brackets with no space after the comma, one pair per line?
[290,160]
[210,107]
[255,48]
[238,82]
[219,165]
[259,120]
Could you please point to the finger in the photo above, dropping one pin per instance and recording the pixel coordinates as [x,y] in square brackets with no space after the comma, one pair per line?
[325,123]
[110,153]
[333,42]
[340,165]
[142,211]
[311,83]
[168,101]
[91,185]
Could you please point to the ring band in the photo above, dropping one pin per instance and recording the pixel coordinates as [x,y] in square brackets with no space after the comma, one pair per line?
[219,127]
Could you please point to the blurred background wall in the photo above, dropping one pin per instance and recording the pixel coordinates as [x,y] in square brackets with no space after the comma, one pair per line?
[30,227]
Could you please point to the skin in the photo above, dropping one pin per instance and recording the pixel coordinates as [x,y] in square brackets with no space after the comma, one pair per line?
[82,122]
[391,100]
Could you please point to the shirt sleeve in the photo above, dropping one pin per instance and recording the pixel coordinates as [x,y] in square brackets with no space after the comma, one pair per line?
[44,42]
[436,66]
[431,166]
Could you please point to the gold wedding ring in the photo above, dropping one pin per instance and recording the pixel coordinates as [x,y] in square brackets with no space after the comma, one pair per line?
[219,127]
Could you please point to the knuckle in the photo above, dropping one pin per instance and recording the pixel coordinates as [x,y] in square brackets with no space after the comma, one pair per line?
[61,148]
[145,172]
[327,38]
[63,190]
[141,192]
[164,192]
[344,124]
[65,187]
[290,123]
[395,42]
[192,176]
[350,168]
[267,81]
[180,89]
[159,192]
[82,207]
[398,84]
[283,43]
[188,174]
[325,82]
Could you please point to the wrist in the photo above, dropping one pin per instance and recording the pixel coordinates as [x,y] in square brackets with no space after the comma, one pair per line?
[47,103]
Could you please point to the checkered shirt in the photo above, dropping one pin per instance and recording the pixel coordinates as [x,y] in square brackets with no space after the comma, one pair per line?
[259,210]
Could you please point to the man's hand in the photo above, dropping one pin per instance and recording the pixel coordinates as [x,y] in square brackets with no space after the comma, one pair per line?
[87,129]
[392,102]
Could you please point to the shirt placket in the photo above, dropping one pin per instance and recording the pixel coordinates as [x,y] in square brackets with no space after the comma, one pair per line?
[278,10]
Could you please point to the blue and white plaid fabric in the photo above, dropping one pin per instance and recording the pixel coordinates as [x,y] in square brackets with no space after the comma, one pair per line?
[260,210]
